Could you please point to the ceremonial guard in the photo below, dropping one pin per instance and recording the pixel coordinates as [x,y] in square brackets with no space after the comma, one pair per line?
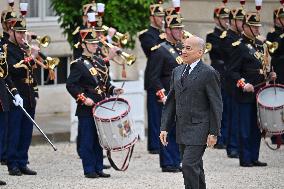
[227,40]
[5,81]
[213,46]
[163,59]
[89,83]
[21,63]
[276,50]
[148,39]
[248,68]
[6,17]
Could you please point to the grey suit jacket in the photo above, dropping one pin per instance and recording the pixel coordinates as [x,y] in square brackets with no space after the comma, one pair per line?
[196,106]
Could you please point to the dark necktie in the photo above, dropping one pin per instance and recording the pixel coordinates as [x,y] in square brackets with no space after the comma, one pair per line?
[185,73]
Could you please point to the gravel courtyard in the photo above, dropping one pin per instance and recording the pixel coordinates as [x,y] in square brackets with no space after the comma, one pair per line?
[62,169]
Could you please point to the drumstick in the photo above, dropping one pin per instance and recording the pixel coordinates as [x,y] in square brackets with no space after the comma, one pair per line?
[105,108]
[273,82]
[117,96]
[257,85]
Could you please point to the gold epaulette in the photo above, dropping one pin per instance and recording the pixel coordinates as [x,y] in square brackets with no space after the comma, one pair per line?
[76,30]
[141,32]
[155,47]
[236,43]
[74,61]
[163,36]
[223,35]
[208,47]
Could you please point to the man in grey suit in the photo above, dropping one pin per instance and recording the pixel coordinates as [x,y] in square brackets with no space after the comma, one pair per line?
[195,104]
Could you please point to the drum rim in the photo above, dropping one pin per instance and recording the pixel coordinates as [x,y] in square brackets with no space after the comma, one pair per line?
[265,87]
[114,118]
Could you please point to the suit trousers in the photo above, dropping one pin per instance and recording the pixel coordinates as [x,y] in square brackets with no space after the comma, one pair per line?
[3,125]
[250,135]
[233,127]
[90,150]
[19,137]
[192,166]
[154,110]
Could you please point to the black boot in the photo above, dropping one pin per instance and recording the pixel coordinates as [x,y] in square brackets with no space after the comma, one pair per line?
[27,171]
[2,182]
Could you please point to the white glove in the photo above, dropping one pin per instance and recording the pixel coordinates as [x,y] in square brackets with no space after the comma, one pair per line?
[18,100]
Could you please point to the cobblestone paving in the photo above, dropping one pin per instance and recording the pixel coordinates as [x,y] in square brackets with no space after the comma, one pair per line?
[63,169]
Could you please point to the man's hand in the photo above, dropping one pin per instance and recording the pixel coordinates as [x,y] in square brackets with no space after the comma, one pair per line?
[248,88]
[163,137]
[18,100]
[272,76]
[211,141]
[113,52]
[118,91]
[89,102]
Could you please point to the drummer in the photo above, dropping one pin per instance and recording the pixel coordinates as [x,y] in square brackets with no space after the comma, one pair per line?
[89,83]
[247,69]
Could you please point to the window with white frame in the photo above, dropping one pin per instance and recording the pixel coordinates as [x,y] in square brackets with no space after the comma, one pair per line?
[40,10]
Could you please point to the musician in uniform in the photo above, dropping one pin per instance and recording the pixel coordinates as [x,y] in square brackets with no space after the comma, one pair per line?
[21,63]
[5,81]
[6,17]
[213,45]
[163,59]
[89,83]
[276,51]
[248,68]
[236,17]
[148,39]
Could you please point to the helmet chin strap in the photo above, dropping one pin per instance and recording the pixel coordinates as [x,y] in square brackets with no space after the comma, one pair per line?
[282,24]
[88,49]
[173,36]
[155,22]
[251,31]
[237,26]
[14,33]
[221,24]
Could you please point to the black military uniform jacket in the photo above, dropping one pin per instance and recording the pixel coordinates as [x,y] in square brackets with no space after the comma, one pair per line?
[162,62]
[149,39]
[96,86]
[227,42]
[213,42]
[22,75]
[246,63]
[277,57]
[5,79]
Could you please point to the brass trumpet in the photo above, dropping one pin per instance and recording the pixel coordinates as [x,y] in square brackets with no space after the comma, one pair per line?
[50,62]
[129,58]
[42,41]
[272,46]
[122,38]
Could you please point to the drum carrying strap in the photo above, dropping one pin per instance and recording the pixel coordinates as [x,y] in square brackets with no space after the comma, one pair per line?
[278,141]
[126,160]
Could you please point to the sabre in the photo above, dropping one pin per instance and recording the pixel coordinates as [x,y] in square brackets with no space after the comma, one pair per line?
[35,124]
[117,96]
